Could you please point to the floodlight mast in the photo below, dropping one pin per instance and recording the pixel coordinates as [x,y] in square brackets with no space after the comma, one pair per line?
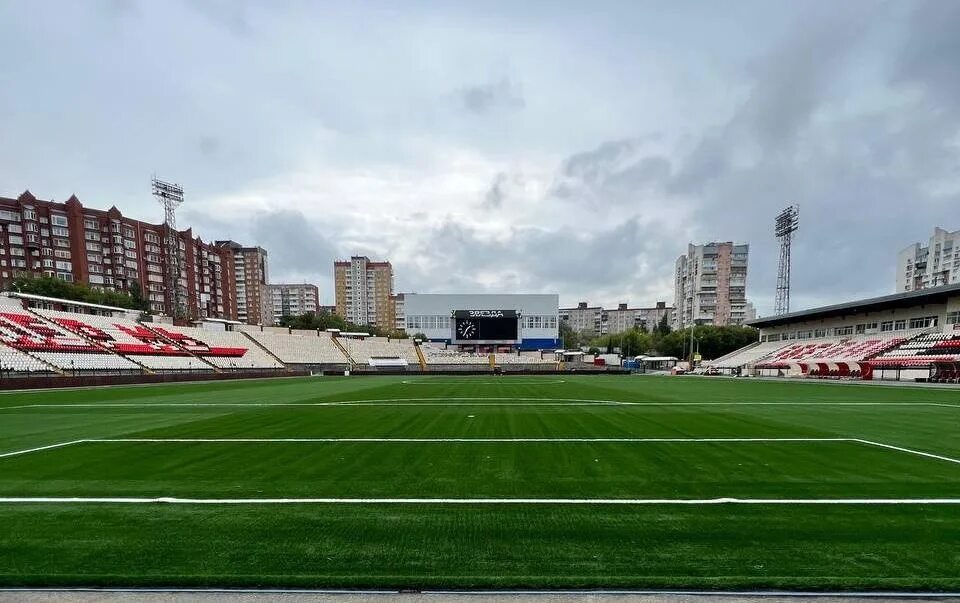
[170,196]
[786,223]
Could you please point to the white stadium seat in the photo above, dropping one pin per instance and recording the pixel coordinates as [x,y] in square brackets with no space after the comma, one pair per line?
[300,349]
[128,338]
[55,344]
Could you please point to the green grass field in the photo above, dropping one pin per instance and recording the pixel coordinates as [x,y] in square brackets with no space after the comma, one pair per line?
[483,482]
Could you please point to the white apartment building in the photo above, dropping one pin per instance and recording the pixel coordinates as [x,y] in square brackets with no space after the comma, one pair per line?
[292,300]
[364,290]
[710,285]
[624,318]
[584,318]
[933,265]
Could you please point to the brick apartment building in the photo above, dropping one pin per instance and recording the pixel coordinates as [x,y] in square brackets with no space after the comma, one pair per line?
[254,305]
[364,291]
[107,250]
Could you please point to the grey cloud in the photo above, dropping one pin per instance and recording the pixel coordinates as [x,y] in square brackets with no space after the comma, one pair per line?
[496,193]
[929,54]
[500,189]
[610,262]
[484,98]
[232,15]
[616,172]
[297,247]
[792,81]
[209,145]
[118,8]
[789,84]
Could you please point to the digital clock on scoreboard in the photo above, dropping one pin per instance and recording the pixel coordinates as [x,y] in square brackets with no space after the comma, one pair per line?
[485,326]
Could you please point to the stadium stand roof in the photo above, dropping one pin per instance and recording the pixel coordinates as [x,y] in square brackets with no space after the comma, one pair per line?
[908,299]
[67,302]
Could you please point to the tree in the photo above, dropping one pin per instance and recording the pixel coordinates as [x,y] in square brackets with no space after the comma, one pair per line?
[712,342]
[54,287]
[570,339]
[663,327]
[311,321]
[631,342]
[136,297]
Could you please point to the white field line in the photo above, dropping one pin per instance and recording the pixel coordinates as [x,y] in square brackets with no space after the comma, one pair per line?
[907,450]
[458,440]
[487,501]
[39,448]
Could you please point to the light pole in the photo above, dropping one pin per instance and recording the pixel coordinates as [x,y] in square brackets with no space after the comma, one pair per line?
[693,323]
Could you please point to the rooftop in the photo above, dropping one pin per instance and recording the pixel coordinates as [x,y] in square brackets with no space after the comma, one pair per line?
[931,295]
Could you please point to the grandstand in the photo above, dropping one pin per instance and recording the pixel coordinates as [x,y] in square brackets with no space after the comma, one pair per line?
[54,345]
[223,349]
[925,349]
[912,335]
[133,340]
[367,350]
[438,355]
[303,347]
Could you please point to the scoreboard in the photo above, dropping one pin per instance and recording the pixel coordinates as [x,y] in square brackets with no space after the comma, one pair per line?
[485,326]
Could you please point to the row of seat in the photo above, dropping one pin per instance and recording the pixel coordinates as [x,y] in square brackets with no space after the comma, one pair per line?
[300,349]
[129,338]
[362,350]
[929,347]
[845,350]
[438,355]
[223,349]
[15,361]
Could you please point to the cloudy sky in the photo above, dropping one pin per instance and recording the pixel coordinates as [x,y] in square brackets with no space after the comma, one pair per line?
[553,146]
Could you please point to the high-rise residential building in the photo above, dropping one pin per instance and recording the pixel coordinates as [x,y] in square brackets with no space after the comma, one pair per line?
[106,250]
[399,312]
[254,305]
[292,300]
[937,263]
[583,319]
[624,318]
[710,286]
[363,290]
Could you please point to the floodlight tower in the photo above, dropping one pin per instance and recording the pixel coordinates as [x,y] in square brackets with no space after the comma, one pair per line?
[170,196]
[786,223]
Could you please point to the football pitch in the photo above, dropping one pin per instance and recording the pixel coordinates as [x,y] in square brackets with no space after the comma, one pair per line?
[483,482]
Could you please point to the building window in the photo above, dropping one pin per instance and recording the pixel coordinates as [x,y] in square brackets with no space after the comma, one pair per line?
[886,325]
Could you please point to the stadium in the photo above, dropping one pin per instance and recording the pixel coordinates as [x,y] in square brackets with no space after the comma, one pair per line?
[421,474]
[447,300]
